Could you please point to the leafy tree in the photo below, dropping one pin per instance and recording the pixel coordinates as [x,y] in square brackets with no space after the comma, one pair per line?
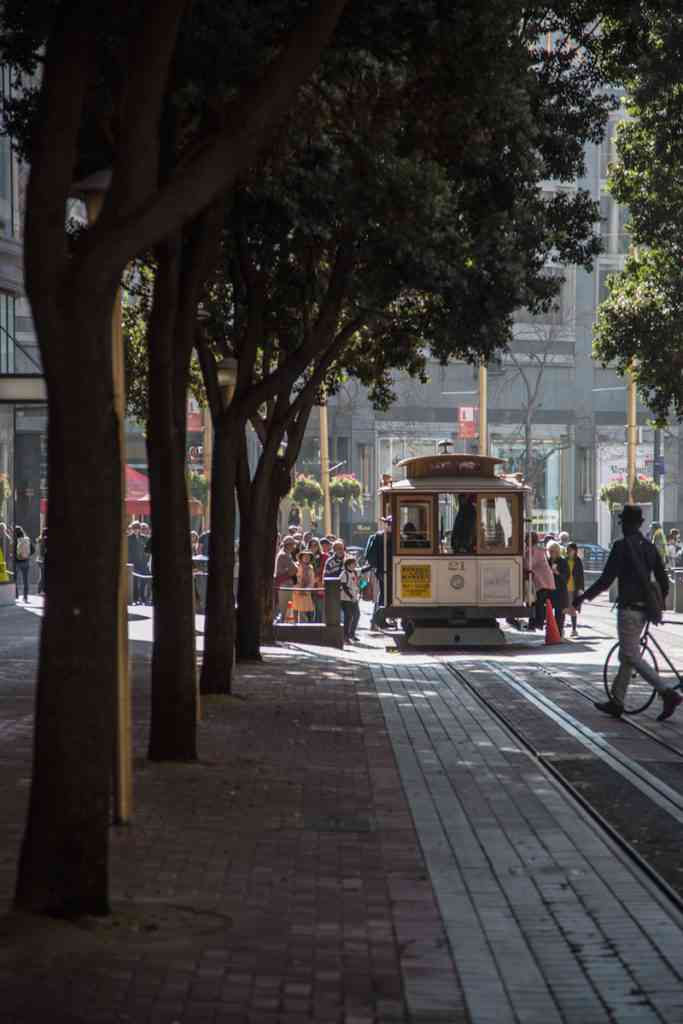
[640,325]
[402,214]
[112,78]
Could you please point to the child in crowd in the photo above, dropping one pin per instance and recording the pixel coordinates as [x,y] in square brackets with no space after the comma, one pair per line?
[350,597]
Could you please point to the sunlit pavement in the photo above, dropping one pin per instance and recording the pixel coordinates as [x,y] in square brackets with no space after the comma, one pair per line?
[359,842]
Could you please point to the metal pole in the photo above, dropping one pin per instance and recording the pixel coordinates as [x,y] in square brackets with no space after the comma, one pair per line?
[631,437]
[207,456]
[657,502]
[123,752]
[483,411]
[325,471]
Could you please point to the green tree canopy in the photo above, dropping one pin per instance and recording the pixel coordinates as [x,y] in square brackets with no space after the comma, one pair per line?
[640,325]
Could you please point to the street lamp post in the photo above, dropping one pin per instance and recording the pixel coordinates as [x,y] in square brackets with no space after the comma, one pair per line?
[483,411]
[325,470]
[632,437]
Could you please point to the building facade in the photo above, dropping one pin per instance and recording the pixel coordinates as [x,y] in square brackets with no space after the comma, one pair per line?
[553,412]
[23,408]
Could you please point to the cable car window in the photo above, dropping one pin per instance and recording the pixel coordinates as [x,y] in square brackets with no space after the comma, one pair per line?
[498,525]
[414,525]
[458,532]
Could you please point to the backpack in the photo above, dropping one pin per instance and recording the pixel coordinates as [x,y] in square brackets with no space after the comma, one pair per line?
[23,549]
[652,592]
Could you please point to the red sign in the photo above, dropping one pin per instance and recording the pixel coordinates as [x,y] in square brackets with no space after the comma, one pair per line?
[467,421]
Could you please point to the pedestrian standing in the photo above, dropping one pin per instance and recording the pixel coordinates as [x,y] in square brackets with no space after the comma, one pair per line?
[378,554]
[538,567]
[575,583]
[284,576]
[632,561]
[23,549]
[335,563]
[41,555]
[137,557]
[318,560]
[350,598]
[302,600]
[659,540]
[560,571]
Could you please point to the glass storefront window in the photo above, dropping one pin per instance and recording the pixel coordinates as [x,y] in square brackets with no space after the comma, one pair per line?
[7,332]
[30,468]
[6,168]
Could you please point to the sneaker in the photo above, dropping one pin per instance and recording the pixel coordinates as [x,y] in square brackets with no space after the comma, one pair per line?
[575,632]
[610,707]
[670,701]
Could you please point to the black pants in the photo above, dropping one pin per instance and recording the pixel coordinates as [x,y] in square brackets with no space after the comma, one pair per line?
[541,597]
[21,569]
[351,613]
[139,586]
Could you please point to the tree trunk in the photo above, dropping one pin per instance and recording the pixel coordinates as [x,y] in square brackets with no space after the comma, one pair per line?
[219,629]
[174,685]
[63,865]
[257,554]
[252,580]
[268,562]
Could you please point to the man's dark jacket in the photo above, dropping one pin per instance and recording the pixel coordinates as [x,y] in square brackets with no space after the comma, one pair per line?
[620,566]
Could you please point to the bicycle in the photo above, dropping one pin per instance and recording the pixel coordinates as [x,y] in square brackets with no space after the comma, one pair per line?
[639,694]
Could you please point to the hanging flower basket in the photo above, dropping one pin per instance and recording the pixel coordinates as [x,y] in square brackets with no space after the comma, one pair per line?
[306,491]
[346,488]
[616,491]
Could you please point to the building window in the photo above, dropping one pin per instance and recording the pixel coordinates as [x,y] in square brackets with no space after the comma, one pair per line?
[7,332]
[365,468]
[614,218]
[6,168]
[608,146]
[561,306]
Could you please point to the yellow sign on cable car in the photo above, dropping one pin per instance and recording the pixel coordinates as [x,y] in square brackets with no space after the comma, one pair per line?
[416,581]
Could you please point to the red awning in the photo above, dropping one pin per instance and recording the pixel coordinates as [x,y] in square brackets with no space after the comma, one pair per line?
[138,499]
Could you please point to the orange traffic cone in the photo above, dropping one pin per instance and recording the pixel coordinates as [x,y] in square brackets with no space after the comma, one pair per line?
[552,633]
[289,614]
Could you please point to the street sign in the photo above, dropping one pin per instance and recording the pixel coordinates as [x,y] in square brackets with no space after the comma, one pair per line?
[658,467]
[467,421]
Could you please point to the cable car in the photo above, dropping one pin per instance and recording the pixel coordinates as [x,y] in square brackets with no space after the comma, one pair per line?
[454,552]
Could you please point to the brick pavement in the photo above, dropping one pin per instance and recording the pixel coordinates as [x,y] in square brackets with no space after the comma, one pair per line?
[281,880]
[278,881]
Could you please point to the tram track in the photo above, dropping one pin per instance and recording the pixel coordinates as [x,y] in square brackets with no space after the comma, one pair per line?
[626,719]
[651,790]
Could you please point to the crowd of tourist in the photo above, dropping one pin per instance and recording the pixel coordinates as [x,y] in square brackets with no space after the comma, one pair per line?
[302,564]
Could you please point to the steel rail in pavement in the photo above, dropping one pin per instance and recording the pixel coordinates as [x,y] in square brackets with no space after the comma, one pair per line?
[551,768]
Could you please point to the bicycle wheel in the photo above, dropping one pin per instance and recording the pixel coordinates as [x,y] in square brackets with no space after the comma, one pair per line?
[639,694]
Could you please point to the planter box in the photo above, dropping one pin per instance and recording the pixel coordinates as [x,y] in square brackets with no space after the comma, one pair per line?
[8,593]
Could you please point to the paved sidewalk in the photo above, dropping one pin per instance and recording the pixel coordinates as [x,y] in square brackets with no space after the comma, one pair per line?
[278,881]
[282,880]
[547,919]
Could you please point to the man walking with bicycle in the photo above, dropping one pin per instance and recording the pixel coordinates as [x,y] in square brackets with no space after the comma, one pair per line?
[632,561]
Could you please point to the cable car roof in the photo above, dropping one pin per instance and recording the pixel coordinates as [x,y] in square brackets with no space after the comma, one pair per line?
[454,473]
[463,485]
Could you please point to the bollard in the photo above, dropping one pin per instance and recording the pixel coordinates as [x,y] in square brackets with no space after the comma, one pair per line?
[332,601]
